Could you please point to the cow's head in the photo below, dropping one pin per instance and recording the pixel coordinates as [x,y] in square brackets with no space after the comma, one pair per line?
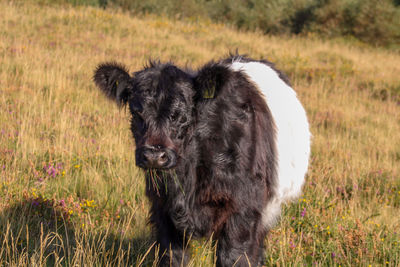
[160,99]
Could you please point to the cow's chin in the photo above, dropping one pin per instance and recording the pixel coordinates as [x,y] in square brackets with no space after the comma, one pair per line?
[168,167]
[157,169]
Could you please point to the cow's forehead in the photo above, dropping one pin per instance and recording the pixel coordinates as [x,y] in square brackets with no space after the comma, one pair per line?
[167,83]
[146,80]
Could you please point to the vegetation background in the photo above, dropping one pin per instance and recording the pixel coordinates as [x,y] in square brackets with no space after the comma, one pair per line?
[372,21]
[70,193]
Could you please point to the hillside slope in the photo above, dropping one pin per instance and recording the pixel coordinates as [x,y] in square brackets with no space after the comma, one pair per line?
[69,190]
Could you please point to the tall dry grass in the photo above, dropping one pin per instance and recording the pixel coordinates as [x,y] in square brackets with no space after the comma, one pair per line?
[70,193]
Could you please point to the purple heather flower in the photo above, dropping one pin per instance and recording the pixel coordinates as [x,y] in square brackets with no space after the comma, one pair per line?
[303,213]
[59,166]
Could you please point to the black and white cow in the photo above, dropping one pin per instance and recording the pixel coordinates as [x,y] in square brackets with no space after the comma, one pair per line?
[222,147]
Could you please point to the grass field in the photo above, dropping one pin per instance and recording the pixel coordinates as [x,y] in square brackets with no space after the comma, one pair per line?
[70,194]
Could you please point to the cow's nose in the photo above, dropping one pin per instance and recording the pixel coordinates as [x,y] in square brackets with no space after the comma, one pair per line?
[155,157]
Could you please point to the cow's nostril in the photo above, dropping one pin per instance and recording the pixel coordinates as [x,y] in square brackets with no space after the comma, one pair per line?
[162,158]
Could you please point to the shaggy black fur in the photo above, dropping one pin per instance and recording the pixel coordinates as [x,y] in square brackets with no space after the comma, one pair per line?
[207,143]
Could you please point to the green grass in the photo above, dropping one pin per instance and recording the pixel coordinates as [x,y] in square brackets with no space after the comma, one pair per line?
[70,193]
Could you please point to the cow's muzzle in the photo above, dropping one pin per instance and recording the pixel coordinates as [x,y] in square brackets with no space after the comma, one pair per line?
[155,157]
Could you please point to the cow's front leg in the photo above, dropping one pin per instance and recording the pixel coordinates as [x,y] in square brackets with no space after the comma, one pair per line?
[172,244]
[241,241]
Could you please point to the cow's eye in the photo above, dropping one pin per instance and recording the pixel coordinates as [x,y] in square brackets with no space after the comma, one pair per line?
[183,119]
[137,123]
[174,116]
[136,116]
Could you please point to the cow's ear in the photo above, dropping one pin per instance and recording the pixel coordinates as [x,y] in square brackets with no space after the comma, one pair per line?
[114,81]
[210,79]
